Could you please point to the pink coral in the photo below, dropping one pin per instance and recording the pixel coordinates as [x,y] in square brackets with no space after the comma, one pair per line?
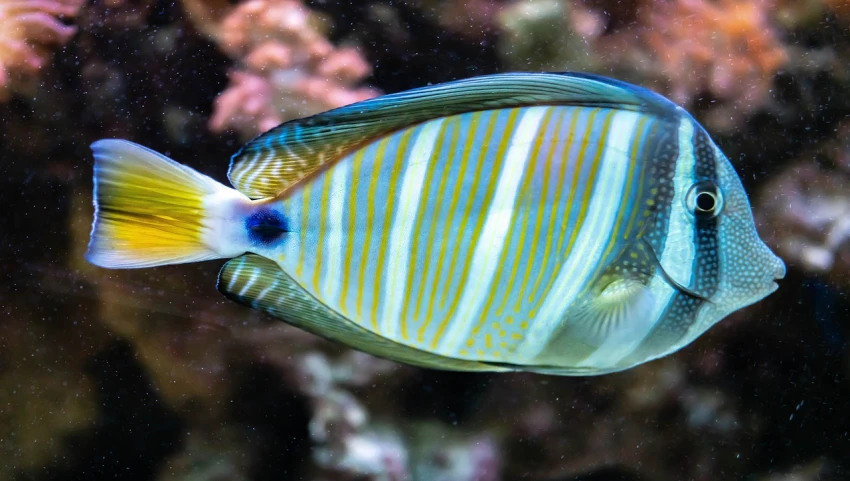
[726,47]
[27,29]
[287,67]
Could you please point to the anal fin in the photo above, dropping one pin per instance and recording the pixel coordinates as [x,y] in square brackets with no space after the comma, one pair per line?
[261,284]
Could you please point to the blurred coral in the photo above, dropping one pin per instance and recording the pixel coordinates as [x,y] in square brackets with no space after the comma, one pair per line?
[286,69]
[547,35]
[470,18]
[28,28]
[346,440]
[443,454]
[645,410]
[808,207]
[349,442]
[793,14]
[726,48]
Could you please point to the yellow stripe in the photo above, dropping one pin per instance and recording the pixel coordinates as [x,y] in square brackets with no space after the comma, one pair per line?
[399,163]
[538,222]
[615,232]
[356,164]
[524,231]
[523,197]
[458,189]
[467,206]
[594,169]
[563,254]
[323,227]
[611,241]
[555,203]
[638,208]
[370,226]
[420,216]
[492,180]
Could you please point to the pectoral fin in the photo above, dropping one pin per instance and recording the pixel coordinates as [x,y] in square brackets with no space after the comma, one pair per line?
[594,330]
[613,314]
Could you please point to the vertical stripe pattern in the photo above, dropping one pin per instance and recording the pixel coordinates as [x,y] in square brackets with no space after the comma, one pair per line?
[677,259]
[470,235]
[402,227]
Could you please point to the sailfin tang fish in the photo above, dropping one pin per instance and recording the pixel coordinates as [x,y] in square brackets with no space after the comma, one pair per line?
[558,223]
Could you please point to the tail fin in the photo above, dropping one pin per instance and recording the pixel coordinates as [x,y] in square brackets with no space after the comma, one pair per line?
[150,210]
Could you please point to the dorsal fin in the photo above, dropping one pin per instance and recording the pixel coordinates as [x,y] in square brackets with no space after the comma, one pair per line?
[279,158]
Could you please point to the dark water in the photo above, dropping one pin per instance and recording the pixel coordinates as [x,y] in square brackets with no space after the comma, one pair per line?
[153,375]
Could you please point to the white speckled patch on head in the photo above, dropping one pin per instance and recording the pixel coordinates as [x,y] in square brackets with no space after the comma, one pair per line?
[710,247]
[747,268]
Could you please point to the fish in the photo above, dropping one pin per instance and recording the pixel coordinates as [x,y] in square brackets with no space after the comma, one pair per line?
[557,223]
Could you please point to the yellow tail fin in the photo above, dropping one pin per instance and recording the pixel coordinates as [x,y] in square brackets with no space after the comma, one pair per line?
[150,210]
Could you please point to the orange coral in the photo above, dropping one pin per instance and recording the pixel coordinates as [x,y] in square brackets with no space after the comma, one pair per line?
[27,29]
[726,47]
[287,67]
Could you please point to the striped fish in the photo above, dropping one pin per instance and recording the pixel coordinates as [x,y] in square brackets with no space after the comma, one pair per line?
[558,223]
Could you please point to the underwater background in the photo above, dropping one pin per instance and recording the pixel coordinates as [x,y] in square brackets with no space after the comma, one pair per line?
[153,375]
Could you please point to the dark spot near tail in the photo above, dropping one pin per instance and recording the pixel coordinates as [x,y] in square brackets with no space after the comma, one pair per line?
[265,226]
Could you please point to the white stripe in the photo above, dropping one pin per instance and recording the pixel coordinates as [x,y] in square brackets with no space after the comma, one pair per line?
[402,227]
[244,166]
[485,259]
[679,249]
[237,175]
[333,260]
[265,291]
[254,276]
[253,176]
[677,259]
[235,276]
[605,201]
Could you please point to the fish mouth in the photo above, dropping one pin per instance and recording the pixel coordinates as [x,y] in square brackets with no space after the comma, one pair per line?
[778,273]
[774,284]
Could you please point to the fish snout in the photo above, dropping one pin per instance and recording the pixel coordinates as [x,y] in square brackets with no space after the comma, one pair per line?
[775,272]
[779,269]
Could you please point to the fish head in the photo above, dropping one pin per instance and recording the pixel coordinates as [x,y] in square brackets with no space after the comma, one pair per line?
[747,269]
[731,267]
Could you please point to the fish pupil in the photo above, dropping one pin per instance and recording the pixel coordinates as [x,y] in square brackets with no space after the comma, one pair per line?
[265,226]
[705,202]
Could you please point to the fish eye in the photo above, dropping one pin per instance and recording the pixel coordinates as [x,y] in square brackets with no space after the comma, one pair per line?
[705,200]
